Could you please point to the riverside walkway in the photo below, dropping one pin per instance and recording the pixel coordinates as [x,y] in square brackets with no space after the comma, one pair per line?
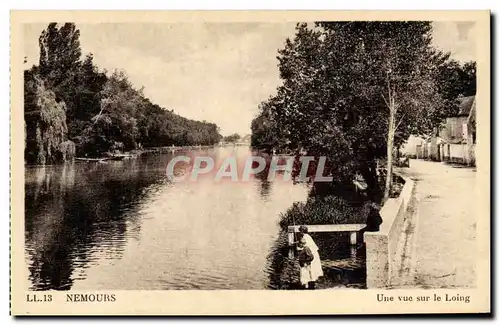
[441,237]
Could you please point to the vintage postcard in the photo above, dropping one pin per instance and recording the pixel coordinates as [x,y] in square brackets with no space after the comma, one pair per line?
[250,163]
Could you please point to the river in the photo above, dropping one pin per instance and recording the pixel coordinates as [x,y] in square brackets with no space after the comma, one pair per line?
[126,225]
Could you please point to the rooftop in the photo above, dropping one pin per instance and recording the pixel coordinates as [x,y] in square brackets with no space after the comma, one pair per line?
[465,105]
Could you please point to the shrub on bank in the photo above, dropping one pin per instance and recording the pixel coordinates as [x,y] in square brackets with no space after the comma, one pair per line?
[327,210]
[331,209]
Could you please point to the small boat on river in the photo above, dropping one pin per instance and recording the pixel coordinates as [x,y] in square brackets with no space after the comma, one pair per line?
[120,157]
[115,157]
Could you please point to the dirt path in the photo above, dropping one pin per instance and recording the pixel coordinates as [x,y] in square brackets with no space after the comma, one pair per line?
[443,227]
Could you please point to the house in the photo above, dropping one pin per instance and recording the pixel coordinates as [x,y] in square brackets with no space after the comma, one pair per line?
[415,147]
[471,135]
[454,141]
[459,134]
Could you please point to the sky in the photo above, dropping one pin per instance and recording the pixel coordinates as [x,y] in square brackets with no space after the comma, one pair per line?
[218,72]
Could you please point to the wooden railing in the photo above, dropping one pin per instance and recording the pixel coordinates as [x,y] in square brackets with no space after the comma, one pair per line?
[352,228]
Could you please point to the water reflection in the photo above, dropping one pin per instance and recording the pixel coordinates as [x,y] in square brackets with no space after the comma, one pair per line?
[124,225]
[265,185]
[75,210]
[341,267]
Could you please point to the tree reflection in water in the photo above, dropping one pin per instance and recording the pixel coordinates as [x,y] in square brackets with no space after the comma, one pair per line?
[80,215]
[76,210]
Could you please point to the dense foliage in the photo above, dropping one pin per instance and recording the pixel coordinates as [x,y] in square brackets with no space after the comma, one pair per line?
[323,210]
[352,90]
[72,108]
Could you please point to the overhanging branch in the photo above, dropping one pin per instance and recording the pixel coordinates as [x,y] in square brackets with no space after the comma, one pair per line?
[399,123]
[386,102]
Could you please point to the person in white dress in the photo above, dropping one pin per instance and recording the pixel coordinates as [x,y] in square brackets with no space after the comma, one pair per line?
[305,258]
[316,269]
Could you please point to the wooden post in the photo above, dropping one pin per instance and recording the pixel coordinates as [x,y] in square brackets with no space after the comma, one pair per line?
[290,242]
[353,238]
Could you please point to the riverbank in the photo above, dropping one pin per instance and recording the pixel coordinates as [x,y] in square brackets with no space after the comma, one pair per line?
[101,219]
[142,152]
[339,204]
[169,149]
[331,205]
[324,206]
[154,151]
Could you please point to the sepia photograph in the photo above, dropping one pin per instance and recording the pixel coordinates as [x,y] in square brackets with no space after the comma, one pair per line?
[341,156]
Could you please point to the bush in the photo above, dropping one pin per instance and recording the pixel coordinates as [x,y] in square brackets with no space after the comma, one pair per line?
[327,210]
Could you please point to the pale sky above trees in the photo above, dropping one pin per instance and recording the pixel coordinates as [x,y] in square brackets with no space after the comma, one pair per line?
[214,72]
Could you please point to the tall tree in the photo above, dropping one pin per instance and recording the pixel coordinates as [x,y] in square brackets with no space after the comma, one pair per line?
[468,78]
[60,54]
[266,132]
[354,90]
[50,126]
[397,59]
[115,127]
[71,106]
[86,93]
[78,83]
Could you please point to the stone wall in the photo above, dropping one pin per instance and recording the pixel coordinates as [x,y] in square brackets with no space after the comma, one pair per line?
[383,258]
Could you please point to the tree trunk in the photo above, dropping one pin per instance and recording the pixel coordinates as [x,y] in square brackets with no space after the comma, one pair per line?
[390,145]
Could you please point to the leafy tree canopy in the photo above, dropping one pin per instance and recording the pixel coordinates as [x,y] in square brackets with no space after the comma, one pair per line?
[350,90]
[73,107]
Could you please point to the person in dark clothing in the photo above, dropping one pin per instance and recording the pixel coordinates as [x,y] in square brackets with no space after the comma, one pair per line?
[373,222]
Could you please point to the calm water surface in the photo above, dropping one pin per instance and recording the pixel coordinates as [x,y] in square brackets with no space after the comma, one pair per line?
[124,225]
